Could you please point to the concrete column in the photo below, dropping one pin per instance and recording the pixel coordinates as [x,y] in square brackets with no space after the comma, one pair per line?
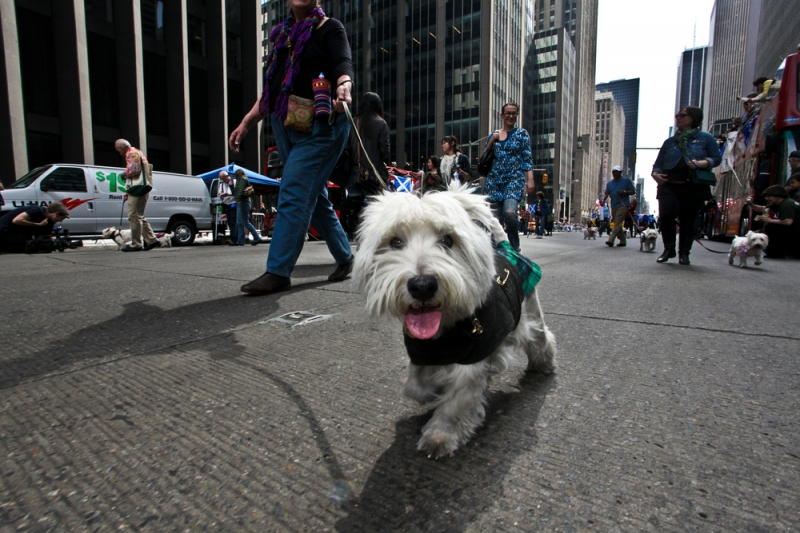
[441,15]
[128,31]
[72,68]
[400,155]
[252,83]
[13,146]
[216,56]
[176,39]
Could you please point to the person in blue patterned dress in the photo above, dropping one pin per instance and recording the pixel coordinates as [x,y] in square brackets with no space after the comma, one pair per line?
[512,172]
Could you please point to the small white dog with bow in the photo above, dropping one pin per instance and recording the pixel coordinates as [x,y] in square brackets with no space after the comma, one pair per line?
[123,237]
[752,244]
[468,307]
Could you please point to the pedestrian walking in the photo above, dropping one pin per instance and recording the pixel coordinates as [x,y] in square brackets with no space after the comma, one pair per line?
[306,44]
[679,197]
[542,212]
[512,171]
[242,192]
[225,191]
[140,228]
[454,165]
[618,190]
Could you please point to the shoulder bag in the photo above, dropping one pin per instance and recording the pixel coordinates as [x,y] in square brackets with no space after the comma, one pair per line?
[701,176]
[300,114]
[486,160]
[248,190]
[145,179]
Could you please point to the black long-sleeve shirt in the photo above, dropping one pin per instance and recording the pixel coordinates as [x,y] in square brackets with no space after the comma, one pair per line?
[327,52]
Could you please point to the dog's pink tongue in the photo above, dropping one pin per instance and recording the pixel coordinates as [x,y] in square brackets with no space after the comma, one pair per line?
[423,323]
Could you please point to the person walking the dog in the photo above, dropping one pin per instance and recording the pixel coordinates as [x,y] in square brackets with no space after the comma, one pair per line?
[306,44]
[512,171]
[619,190]
[140,228]
[679,197]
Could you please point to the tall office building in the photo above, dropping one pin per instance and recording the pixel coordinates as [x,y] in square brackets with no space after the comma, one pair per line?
[626,94]
[691,78]
[733,43]
[548,113]
[579,20]
[778,35]
[174,78]
[610,124]
[440,67]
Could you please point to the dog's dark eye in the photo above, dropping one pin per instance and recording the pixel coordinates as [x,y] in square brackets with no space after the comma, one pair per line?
[397,243]
[447,241]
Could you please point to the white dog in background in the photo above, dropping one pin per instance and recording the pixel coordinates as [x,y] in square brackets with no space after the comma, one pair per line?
[123,237]
[589,233]
[751,245]
[429,262]
[647,240]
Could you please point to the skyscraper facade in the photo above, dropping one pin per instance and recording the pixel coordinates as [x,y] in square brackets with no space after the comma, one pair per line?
[733,43]
[778,35]
[691,78]
[626,95]
[171,77]
[610,127]
[549,111]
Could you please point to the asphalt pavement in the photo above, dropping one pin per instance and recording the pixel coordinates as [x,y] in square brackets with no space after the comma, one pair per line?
[144,392]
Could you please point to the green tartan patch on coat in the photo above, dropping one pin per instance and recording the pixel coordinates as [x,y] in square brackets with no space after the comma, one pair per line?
[528,270]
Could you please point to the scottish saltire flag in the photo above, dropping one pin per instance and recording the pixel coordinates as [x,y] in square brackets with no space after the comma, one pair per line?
[402,184]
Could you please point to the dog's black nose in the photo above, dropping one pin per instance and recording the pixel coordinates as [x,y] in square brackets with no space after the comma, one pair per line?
[423,288]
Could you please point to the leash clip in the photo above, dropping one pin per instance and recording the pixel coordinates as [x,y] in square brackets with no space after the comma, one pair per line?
[502,283]
[476,327]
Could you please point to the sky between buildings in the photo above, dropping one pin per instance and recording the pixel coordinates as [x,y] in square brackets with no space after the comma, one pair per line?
[644,39]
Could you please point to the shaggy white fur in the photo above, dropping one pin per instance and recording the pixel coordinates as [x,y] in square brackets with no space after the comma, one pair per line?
[444,237]
[751,245]
[647,240]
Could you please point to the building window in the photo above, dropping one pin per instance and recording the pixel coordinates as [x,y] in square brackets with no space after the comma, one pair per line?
[234,51]
[197,36]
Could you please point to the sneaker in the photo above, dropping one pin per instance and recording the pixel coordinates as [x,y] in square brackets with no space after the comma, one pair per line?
[148,247]
[342,271]
[129,248]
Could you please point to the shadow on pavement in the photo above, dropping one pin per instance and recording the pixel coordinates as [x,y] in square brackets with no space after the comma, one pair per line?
[406,491]
[141,328]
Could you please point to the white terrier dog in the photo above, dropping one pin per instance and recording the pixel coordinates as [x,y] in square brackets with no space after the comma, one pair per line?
[647,240]
[751,245]
[430,263]
[123,237]
[589,233]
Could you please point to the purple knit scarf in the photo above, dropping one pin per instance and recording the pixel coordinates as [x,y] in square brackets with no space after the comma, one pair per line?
[295,36]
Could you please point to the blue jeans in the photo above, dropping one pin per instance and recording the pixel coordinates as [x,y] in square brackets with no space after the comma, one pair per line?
[243,224]
[308,160]
[506,212]
[230,210]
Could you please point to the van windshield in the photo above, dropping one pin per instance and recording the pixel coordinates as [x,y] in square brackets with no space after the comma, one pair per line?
[29,178]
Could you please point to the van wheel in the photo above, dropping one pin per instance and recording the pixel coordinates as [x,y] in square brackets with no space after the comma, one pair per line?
[184,232]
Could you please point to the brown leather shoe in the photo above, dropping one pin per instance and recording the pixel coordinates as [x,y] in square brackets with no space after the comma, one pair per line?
[342,271]
[267,284]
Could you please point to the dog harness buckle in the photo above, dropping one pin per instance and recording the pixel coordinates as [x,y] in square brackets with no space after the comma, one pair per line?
[502,283]
[477,329]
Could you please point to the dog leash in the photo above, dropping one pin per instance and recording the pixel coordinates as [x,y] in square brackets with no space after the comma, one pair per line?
[121,213]
[701,244]
[361,144]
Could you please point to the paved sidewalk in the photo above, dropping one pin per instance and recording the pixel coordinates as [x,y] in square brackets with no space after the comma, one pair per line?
[144,392]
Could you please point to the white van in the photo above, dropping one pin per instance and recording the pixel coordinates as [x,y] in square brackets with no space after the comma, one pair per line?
[178,203]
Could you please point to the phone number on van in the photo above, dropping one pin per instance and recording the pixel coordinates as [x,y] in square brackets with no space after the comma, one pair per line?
[176,199]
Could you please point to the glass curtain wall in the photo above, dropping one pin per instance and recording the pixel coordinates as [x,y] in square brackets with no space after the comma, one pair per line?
[420,82]
[462,73]
[541,112]
[383,45]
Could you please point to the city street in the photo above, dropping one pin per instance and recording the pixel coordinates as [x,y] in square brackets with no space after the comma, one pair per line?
[144,392]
